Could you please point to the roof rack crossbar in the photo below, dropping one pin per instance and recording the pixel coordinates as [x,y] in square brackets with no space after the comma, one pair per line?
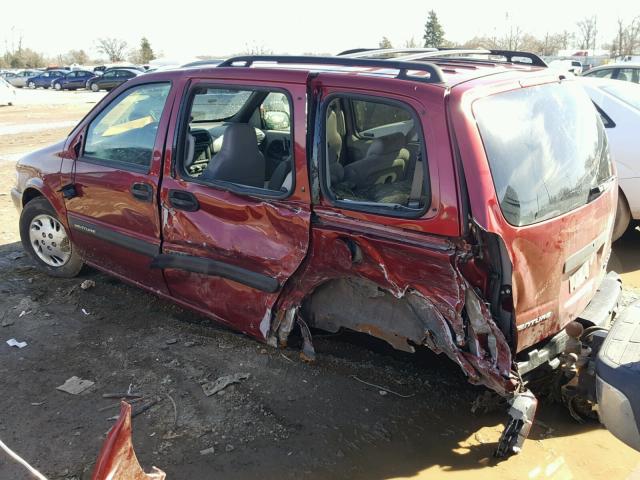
[418,54]
[509,54]
[435,74]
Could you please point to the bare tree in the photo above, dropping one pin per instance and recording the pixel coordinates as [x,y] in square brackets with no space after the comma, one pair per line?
[587,32]
[113,48]
[512,40]
[411,43]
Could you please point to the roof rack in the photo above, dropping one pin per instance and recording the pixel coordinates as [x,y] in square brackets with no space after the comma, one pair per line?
[434,72]
[366,52]
[420,53]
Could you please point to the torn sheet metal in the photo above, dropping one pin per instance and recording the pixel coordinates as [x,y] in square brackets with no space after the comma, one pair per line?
[117,459]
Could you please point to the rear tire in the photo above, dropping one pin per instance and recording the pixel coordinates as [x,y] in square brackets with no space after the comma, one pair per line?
[623,217]
[47,241]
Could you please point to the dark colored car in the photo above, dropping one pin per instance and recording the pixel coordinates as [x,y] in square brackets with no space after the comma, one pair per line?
[72,80]
[111,79]
[44,79]
[465,204]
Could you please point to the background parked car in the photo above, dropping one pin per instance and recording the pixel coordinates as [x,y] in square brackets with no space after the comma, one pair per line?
[44,79]
[619,107]
[112,78]
[629,72]
[571,66]
[20,79]
[72,80]
[7,93]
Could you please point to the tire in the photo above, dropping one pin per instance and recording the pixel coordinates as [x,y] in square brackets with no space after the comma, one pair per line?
[94,87]
[623,217]
[46,240]
[57,86]
[31,85]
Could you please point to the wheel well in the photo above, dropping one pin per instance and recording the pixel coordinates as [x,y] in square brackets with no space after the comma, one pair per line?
[29,194]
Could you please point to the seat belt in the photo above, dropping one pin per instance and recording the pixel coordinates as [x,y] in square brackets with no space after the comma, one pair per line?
[416,185]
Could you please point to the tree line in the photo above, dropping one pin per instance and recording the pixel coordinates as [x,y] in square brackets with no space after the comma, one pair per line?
[113,49]
[583,37]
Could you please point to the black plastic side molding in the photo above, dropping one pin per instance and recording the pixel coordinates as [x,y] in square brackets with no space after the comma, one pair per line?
[206,266]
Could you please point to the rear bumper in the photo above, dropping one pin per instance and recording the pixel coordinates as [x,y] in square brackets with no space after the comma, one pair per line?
[618,378]
[599,312]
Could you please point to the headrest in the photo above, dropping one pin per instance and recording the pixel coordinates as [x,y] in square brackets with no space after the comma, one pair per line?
[387,144]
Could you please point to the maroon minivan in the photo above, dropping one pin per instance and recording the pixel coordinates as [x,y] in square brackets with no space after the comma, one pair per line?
[458,200]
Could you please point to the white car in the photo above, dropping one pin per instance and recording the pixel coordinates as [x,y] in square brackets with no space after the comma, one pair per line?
[619,105]
[7,93]
[571,66]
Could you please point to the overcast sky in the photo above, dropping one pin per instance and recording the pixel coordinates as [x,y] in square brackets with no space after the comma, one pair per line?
[185,29]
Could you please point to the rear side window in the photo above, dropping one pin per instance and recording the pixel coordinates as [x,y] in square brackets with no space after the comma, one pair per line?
[124,133]
[369,117]
[546,147]
[384,168]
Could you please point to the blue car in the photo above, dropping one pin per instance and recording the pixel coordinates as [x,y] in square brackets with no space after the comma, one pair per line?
[45,78]
[72,80]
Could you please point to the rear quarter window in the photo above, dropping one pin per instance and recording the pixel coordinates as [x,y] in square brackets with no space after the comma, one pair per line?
[546,148]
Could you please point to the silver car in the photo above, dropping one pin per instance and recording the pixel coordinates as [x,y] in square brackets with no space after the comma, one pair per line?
[19,79]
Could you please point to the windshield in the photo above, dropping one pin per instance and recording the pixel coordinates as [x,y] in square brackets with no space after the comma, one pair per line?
[546,148]
[215,104]
[627,92]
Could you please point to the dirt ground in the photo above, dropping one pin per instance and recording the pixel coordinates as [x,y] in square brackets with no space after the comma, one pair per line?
[287,420]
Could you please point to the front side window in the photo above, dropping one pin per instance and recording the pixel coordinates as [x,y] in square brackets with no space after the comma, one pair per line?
[239,138]
[629,74]
[382,166]
[124,133]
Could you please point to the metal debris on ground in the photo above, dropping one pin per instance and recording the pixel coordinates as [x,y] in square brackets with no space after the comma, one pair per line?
[383,388]
[75,385]
[211,388]
[171,341]
[87,284]
[85,312]
[12,342]
[21,461]
[208,451]
[117,460]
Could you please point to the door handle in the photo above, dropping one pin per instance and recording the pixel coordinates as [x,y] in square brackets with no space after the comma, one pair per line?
[183,200]
[142,191]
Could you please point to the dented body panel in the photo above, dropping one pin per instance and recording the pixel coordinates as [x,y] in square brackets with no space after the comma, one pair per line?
[423,280]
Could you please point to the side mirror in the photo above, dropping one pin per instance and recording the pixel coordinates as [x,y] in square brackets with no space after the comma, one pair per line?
[276,120]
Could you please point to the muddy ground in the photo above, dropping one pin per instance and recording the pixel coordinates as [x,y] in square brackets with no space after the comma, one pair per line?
[287,420]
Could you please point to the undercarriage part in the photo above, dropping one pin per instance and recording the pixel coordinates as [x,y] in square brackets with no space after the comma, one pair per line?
[521,414]
[308,353]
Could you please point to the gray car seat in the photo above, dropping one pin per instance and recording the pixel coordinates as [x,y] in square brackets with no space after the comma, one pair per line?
[385,162]
[239,160]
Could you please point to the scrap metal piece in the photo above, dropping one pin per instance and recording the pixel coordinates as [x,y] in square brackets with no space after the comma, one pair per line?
[117,459]
[522,411]
[75,385]
[308,353]
[211,388]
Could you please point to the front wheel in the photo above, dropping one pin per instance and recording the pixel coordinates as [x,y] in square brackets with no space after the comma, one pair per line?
[94,87]
[31,85]
[57,86]
[47,241]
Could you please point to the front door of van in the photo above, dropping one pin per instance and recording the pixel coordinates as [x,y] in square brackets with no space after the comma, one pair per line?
[234,231]
[113,218]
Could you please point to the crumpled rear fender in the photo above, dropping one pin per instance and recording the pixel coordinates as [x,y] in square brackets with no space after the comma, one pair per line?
[405,294]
